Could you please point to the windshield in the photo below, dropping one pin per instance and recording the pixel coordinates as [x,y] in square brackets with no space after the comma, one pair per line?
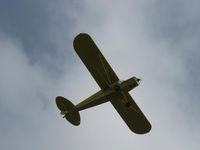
[120,81]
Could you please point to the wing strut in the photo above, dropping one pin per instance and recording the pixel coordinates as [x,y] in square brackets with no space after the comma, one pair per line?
[108,84]
[104,69]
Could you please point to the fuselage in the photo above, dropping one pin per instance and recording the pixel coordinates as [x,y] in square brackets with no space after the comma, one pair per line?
[126,85]
[102,96]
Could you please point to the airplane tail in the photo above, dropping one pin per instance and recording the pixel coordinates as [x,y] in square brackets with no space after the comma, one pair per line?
[68,109]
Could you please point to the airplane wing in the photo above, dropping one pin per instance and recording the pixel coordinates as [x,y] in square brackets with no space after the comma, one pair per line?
[94,61]
[130,112]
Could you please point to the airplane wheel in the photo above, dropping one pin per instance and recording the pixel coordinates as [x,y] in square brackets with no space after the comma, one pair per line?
[117,88]
[128,104]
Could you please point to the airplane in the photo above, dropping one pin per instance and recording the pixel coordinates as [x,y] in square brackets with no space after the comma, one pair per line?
[112,89]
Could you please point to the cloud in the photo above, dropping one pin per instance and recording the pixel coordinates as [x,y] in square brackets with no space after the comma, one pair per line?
[157,41]
[24,94]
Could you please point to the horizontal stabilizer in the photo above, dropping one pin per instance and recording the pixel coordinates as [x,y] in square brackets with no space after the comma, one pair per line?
[68,109]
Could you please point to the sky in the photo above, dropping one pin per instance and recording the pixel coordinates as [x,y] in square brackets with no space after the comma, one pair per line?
[157,41]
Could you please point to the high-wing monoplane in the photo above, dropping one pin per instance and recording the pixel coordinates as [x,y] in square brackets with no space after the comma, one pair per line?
[112,89]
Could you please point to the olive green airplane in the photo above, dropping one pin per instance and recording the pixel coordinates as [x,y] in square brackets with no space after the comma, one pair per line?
[112,89]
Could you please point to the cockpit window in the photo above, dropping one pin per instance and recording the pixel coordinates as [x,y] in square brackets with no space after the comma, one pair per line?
[120,81]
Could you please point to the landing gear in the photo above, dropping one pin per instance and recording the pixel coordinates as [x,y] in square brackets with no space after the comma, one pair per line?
[128,104]
[117,87]
[65,116]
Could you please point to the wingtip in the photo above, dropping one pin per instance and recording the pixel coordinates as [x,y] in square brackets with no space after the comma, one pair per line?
[81,35]
[80,40]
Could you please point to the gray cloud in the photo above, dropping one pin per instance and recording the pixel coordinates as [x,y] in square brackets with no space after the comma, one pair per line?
[157,41]
[43,30]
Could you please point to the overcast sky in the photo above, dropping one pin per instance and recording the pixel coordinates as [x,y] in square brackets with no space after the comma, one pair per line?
[157,41]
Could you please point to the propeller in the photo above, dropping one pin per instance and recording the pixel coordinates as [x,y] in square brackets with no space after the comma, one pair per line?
[138,79]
